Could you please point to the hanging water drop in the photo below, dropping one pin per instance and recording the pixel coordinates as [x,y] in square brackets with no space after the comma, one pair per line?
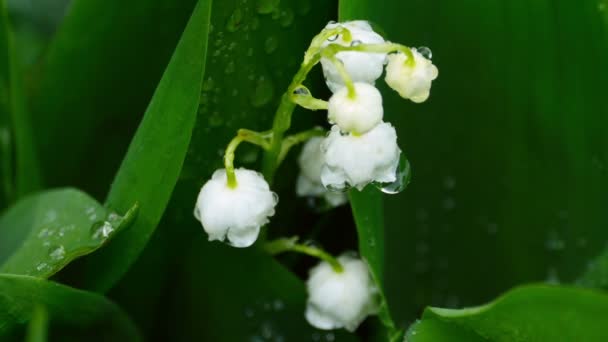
[230,67]
[425,52]
[403,176]
[356,42]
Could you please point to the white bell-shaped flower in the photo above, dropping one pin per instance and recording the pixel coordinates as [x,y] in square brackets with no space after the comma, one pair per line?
[361,66]
[235,214]
[358,114]
[357,160]
[309,184]
[411,80]
[340,300]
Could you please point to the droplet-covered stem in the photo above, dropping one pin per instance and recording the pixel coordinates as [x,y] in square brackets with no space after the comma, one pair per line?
[290,245]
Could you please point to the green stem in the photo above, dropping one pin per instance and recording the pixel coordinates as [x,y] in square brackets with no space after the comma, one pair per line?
[256,138]
[298,138]
[330,53]
[290,245]
[282,118]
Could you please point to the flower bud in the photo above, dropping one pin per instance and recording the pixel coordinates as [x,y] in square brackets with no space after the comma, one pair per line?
[411,81]
[311,162]
[357,160]
[238,213]
[361,66]
[340,300]
[358,114]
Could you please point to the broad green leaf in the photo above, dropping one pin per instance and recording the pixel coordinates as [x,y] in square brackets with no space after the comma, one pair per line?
[73,314]
[530,313]
[510,151]
[154,160]
[44,232]
[16,137]
[108,57]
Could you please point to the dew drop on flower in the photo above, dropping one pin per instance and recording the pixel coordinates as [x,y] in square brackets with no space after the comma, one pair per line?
[425,52]
[355,43]
[403,178]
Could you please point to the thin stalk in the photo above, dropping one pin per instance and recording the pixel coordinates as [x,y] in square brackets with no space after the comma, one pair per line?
[290,245]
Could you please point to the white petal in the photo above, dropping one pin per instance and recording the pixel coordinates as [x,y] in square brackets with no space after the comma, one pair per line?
[359,114]
[235,213]
[411,82]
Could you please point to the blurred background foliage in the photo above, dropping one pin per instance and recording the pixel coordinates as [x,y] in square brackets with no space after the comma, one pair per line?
[509,155]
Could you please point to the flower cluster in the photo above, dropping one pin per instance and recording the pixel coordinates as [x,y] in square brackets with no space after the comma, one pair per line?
[359,149]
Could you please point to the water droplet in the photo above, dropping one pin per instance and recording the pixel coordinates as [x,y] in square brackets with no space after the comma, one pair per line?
[263,92]
[278,305]
[267,6]
[271,44]
[332,38]
[330,337]
[255,23]
[57,253]
[229,68]
[42,266]
[403,177]
[552,276]
[356,42]
[449,203]
[249,312]
[344,187]
[301,91]
[554,242]
[235,20]
[492,228]
[601,7]
[425,52]
[249,52]
[286,18]
[101,230]
[449,182]
[267,331]
[303,7]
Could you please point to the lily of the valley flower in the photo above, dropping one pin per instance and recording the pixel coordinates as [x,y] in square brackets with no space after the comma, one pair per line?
[340,300]
[357,160]
[309,184]
[361,66]
[359,113]
[411,79]
[235,213]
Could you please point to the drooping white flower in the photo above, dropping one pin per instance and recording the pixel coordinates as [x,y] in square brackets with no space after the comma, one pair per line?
[358,114]
[361,66]
[235,214]
[309,184]
[357,160]
[340,300]
[411,81]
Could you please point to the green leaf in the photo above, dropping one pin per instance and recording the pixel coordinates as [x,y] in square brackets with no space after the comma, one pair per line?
[368,212]
[44,232]
[73,313]
[16,137]
[154,160]
[108,57]
[530,313]
[510,151]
